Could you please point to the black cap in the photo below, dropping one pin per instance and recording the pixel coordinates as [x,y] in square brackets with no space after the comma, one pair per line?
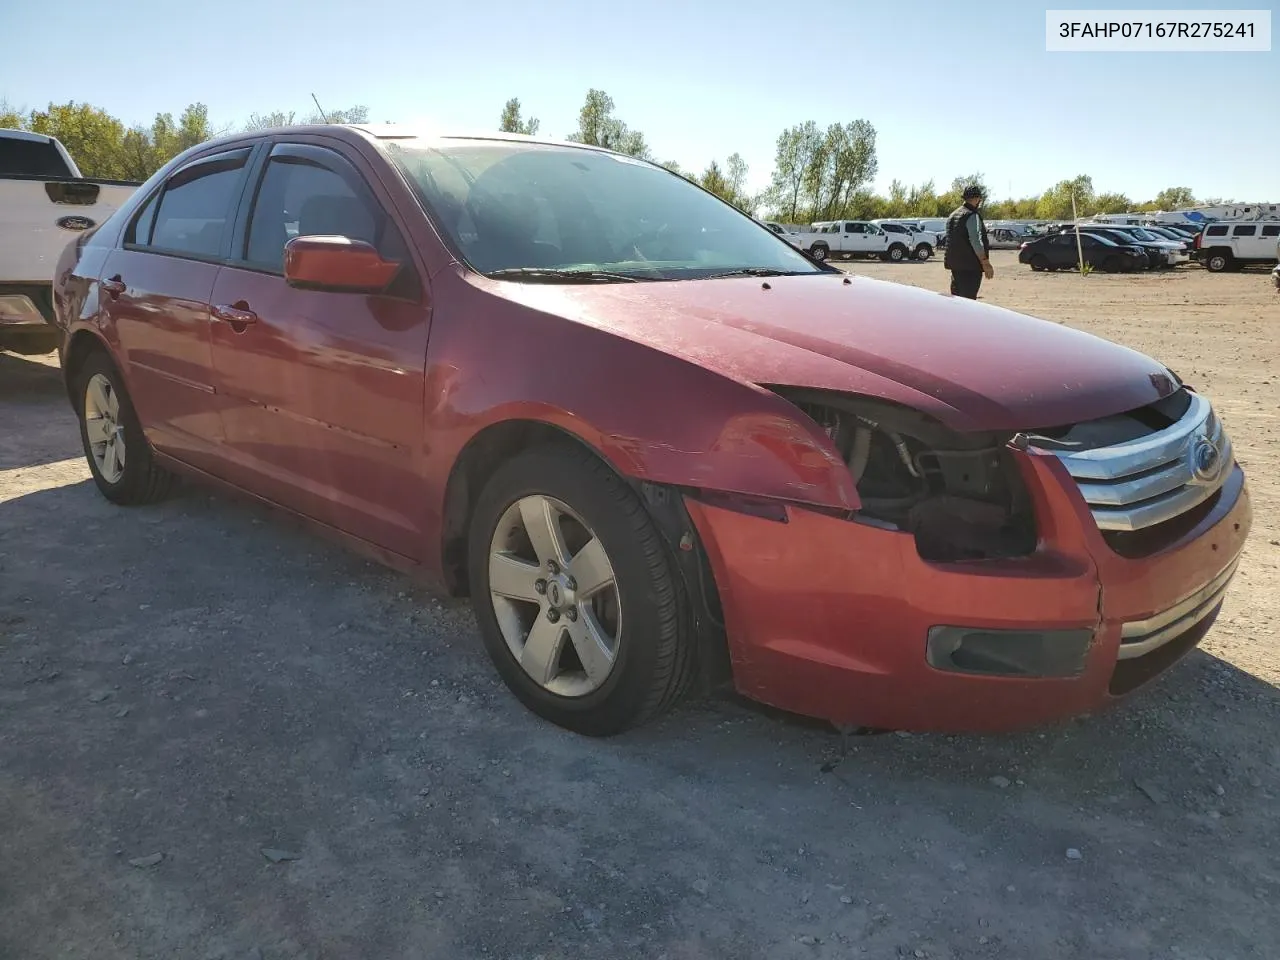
[971,192]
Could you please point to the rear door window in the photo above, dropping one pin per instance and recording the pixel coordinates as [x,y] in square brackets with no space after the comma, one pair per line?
[191,216]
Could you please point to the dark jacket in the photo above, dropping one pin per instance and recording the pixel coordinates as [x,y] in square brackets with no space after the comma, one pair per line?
[960,254]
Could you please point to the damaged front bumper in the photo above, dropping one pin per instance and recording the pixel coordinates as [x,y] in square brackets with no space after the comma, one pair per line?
[843,620]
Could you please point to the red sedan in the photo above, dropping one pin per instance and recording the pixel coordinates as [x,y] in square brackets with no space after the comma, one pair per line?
[652,442]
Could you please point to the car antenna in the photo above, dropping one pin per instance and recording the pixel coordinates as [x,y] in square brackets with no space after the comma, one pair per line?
[320,108]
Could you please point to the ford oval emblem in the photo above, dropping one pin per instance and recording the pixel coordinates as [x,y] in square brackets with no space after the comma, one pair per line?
[75,222]
[1205,459]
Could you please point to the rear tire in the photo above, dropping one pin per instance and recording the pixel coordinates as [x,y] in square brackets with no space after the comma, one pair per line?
[119,455]
[643,660]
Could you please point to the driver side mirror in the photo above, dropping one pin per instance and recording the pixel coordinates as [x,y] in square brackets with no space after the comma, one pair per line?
[337,264]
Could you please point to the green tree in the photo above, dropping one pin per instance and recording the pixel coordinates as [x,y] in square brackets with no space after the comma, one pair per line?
[1111,203]
[795,152]
[144,151]
[1055,203]
[356,114]
[265,121]
[11,118]
[922,201]
[846,163]
[598,127]
[714,181]
[511,121]
[287,118]
[1174,198]
[735,172]
[92,136]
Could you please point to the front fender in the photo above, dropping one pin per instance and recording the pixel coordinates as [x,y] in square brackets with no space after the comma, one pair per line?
[653,416]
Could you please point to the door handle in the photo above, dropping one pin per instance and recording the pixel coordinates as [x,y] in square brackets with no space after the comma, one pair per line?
[114,286]
[239,315]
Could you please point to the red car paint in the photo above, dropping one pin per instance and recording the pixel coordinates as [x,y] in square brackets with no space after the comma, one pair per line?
[829,619]
[352,411]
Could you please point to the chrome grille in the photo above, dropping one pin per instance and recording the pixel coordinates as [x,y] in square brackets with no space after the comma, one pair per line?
[1143,482]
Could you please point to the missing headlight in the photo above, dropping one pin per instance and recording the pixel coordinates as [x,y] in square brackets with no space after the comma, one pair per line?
[960,495]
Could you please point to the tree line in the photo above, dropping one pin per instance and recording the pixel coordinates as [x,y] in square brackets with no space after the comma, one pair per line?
[825,174]
[105,149]
[818,173]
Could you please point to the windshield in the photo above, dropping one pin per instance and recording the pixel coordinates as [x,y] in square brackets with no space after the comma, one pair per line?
[555,211]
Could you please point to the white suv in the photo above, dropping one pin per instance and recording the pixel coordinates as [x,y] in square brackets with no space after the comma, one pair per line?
[1229,246]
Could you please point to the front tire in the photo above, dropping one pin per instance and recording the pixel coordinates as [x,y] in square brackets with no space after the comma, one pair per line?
[1218,261]
[923,252]
[819,252]
[578,601]
[896,253]
[119,456]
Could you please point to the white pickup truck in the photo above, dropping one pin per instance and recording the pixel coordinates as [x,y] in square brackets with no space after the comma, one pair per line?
[44,204]
[851,238]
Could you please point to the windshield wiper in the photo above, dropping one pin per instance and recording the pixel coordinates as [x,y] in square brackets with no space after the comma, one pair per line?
[757,272]
[552,275]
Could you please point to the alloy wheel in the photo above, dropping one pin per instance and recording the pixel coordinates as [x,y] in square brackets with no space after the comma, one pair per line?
[103,427]
[555,596]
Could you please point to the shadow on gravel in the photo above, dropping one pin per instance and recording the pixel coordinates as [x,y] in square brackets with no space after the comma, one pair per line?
[199,682]
[37,425]
[26,381]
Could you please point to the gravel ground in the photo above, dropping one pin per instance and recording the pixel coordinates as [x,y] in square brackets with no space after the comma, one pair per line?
[221,737]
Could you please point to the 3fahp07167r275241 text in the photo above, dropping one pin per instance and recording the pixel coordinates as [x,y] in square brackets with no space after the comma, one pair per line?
[1145,29]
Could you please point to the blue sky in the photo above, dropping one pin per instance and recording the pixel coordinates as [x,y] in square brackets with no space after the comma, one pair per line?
[950,87]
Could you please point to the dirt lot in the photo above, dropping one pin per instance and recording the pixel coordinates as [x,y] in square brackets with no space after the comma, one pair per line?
[182,687]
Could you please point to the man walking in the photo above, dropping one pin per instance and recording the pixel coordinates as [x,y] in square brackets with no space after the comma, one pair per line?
[968,248]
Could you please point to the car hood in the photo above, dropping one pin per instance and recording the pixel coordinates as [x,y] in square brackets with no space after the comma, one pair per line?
[972,365]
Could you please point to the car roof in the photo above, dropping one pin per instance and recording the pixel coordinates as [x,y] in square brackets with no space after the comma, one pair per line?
[391,132]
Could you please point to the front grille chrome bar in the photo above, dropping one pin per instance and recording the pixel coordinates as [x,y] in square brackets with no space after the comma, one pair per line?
[1141,483]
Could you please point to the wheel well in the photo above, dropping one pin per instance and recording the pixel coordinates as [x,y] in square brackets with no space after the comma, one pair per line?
[478,461]
[498,443]
[83,344]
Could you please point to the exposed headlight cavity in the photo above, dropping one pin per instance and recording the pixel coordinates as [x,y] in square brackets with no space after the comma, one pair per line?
[960,495]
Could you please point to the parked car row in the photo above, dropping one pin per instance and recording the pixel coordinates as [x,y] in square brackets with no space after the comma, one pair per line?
[1106,246]
[885,240]
[1064,251]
